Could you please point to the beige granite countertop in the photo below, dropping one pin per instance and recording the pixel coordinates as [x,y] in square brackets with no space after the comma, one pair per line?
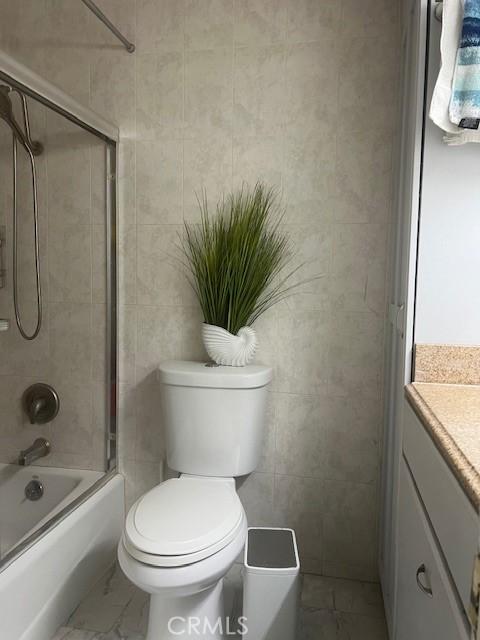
[451,414]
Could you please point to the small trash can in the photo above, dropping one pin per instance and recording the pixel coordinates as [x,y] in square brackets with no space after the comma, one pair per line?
[271,584]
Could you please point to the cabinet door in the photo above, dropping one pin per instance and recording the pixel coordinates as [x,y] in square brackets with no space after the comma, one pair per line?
[427,608]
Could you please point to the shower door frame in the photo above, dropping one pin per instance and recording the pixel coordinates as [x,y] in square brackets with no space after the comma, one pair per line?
[20,77]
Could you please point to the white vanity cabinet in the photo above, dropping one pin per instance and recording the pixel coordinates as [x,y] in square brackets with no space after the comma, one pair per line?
[436,543]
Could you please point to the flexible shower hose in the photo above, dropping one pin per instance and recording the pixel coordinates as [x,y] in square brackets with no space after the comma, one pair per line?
[36,331]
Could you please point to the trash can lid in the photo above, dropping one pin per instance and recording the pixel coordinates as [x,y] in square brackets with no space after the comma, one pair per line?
[271,548]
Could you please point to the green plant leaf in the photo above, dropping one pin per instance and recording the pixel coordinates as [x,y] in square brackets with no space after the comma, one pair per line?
[236,260]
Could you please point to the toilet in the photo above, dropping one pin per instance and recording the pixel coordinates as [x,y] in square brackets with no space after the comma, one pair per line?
[181,537]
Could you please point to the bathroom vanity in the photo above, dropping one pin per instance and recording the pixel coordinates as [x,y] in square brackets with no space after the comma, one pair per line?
[438,513]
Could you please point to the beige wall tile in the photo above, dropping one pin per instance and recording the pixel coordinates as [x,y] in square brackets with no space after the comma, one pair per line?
[310,178]
[310,20]
[159,182]
[349,526]
[267,458]
[150,438]
[256,494]
[70,263]
[126,183]
[301,423]
[22,31]
[301,363]
[257,22]
[160,25]
[259,89]
[127,336]
[160,274]
[208,92]
[20,357]
[67,69]
[127,420]
[167,333]
[356,354]
[147,475]
[72,429]
[258,159]
[112,78]
[68,181]
[350,439]
[99,342]
[208,23]
[127,469]
[160,88]
[369,17]
[299,505]
[100,400]
[207,169]
[127,265]
[311,250]
[71,340]
[363,174]
[358,110]
[311,88]
[359,266]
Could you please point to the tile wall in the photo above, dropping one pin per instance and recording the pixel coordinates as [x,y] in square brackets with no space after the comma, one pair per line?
[301,94]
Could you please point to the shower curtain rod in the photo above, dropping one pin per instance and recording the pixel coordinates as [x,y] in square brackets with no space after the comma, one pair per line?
[129,46]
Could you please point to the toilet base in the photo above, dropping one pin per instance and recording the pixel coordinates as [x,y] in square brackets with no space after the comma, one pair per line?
[200,615]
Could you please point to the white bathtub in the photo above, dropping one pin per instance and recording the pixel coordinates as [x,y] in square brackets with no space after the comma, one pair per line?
[41,587]
[20,517]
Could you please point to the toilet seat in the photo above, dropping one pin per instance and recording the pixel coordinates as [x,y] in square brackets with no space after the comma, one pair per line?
[183,520]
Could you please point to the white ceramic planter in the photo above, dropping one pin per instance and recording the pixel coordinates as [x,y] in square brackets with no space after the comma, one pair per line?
[225,348]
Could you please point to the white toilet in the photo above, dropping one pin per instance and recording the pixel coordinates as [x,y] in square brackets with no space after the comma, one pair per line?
[182,537]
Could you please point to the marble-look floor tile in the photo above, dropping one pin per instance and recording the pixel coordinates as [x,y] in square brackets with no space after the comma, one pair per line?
[331,609]
[332,625]
[68,633]
[347,596]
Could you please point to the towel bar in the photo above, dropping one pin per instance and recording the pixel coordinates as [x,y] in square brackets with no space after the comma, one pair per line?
[439,10]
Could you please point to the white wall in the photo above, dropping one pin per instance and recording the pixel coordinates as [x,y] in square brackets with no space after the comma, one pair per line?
[448,289]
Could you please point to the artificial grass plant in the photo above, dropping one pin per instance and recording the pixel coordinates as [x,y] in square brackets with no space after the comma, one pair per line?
[236,259]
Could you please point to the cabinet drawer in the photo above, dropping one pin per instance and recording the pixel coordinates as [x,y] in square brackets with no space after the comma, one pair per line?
[453,518]
[427,607]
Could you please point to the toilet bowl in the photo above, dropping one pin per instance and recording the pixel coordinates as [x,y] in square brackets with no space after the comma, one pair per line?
[181,538]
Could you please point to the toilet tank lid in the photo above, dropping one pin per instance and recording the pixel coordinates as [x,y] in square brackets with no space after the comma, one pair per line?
[201,374]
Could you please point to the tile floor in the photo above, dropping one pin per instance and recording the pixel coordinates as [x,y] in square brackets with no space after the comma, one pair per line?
[331,609]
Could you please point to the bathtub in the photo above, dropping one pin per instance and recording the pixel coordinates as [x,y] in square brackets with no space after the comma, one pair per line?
[52,550]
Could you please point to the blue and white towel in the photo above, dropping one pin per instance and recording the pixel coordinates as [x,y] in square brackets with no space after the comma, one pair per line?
[452,29]
[465,101]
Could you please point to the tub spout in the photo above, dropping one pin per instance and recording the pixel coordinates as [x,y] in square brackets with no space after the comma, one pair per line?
[39,449]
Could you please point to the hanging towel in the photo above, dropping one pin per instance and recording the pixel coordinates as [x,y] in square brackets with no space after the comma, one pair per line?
[452,21]
[465,101]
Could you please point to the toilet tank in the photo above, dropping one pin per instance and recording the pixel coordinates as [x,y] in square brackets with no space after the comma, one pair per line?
[213,416]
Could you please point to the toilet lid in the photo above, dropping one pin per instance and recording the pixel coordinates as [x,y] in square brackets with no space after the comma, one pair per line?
[184,516]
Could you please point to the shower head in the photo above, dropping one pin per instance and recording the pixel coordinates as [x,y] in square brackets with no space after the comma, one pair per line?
[6,113]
